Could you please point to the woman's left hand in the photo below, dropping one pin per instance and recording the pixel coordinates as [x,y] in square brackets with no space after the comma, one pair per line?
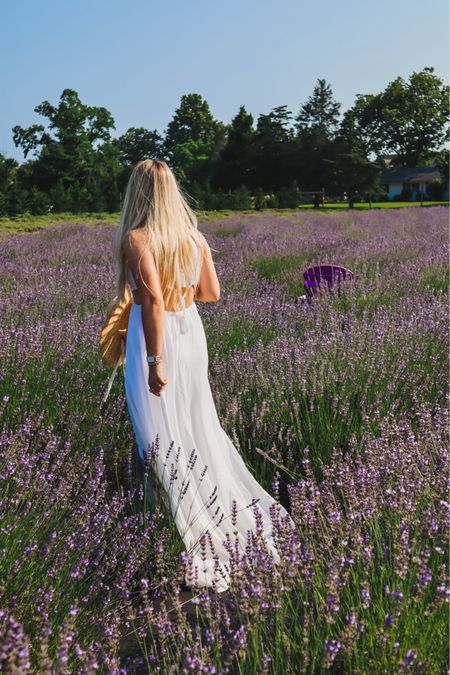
[156,379]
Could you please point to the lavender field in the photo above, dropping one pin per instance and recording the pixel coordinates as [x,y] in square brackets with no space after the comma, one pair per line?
[340,409]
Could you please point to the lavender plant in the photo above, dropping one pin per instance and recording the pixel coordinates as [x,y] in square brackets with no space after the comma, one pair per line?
[340,407]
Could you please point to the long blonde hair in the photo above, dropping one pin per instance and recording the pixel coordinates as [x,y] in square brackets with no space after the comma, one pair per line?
[155,202]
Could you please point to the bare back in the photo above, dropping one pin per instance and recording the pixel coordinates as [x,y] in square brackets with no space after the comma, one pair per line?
[208,288]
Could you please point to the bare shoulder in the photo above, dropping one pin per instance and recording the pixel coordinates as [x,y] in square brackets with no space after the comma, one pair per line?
[134,242]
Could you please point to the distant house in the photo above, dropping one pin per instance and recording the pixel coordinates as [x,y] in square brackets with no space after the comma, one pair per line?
[413,181]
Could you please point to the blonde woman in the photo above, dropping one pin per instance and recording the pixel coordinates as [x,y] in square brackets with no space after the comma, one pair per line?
[168,263]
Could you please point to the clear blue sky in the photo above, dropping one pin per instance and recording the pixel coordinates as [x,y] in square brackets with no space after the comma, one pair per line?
[138,58]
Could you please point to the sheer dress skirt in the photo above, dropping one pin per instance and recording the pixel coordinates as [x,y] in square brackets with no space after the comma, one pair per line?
[195,462]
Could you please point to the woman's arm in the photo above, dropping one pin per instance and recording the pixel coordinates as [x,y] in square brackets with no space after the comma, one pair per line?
[208,289]
[142,264]
[143,267]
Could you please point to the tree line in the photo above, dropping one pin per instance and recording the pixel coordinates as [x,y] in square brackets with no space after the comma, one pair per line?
[73,162]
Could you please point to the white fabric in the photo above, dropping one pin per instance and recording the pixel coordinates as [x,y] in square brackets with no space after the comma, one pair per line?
[185,413]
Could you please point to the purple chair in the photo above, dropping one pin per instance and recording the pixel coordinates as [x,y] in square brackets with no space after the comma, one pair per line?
[325,274]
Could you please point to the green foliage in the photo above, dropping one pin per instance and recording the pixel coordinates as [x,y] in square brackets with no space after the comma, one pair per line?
[226,232]
[436,278]
[74,160]
[235,161]
[260,199]
[407,118]
[363,303]
[138,143]
[289,197]
[38,202]
[436,189]
[275,267]
[241,334]
[74,164]
[320,112]
[193,139]
[235,200]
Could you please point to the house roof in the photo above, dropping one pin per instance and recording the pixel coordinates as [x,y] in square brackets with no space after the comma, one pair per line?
[420,174]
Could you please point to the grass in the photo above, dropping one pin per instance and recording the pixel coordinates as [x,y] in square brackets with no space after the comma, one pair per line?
[28,223]
[274,268]
[362,206]
[240,334]
[436,278]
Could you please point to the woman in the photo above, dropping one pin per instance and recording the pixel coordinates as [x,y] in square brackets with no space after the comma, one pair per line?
[168,263]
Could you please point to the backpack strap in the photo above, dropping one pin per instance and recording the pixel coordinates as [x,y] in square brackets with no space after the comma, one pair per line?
[121,359]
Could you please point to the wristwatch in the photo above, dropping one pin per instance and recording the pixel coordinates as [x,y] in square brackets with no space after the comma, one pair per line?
[154,360]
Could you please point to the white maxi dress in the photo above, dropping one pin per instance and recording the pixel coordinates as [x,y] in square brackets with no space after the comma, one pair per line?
[180,435]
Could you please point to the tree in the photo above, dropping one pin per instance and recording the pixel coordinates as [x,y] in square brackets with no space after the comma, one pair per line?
[138,143]
[441,159]
[348,170]
[8,172]
[410,119]
[350,133]
[76,151]
[235,160]
[135,144]
[273,143]
[347,165]
[320,113]
[9,189]
[193,140]
[315,128]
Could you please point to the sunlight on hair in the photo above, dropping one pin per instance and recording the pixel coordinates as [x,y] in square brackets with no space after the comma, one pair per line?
[155,202]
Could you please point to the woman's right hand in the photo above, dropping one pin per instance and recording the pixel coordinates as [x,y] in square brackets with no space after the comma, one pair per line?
[156,379]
